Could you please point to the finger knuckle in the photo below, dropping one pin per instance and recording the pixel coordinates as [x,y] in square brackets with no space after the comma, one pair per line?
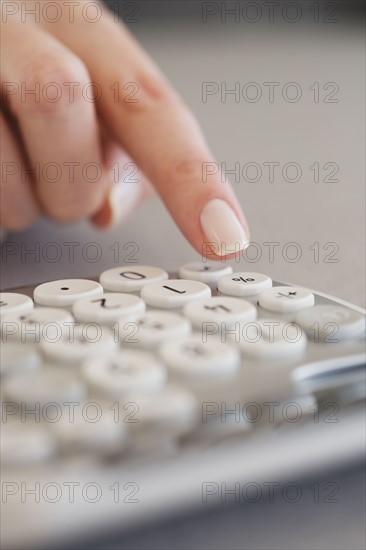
[141,93]
[67,209]
[17,222]
[186,167]
[52,82]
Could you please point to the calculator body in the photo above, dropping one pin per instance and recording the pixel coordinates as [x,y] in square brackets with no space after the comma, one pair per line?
[274,421]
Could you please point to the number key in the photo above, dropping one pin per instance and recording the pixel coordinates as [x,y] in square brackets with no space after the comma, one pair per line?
[108,308]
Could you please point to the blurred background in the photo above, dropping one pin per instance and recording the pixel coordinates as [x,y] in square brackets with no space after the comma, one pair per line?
[296,146]
[307,216]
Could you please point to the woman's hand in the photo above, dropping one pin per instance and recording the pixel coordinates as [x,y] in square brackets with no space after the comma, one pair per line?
[70,148]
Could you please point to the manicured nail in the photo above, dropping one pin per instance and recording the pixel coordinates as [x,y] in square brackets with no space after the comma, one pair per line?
[123,199]
[222,228]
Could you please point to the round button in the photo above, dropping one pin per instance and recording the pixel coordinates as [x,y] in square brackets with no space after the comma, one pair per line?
[196,360]
[270,339]
[14,303]
[244,283]
[174,293]
[15,358]
[123,372]
[170,411]
[285,299]
[47,385]
[331,323]
[108,308]
[23,444]
[41,322]
[65,292]
[131,278]
[78,342]
[208,273]
[92,427]
[219,309]
[154,328]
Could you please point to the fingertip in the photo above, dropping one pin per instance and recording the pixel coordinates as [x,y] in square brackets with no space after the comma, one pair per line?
[225,235]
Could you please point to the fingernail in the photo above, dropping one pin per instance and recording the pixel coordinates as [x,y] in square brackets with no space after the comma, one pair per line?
[222,228]
[123,198]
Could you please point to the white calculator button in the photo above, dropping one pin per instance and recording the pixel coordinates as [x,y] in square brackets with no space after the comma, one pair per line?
[15,358]
[154,328]
[218,428]
[41,322]
[108,307]
[12,302]
[25,443]
[123,372]
[91,426]
[169,410]
[270,339]
[44,386]
[174,293]
[331,323]
[244,283]
[219,309]
[65,292]
[195,360]
[131,278]
[285,299]
[78,342]
[204,272]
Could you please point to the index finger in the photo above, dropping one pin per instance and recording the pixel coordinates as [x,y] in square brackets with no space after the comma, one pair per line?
[159,132]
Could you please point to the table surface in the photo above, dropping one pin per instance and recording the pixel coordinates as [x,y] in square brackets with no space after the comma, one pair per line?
[305,212]
[302,525]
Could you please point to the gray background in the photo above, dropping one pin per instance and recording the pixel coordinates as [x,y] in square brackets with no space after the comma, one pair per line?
[191,52]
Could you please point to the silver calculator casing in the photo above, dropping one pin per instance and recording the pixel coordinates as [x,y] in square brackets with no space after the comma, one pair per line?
[172,484]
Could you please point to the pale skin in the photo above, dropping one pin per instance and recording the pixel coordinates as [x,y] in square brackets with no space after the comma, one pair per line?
[157,132]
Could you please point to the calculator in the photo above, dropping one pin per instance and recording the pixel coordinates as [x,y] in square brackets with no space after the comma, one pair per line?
[141,394]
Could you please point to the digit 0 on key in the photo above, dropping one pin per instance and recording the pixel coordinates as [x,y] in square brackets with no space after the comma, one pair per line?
[131,278]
